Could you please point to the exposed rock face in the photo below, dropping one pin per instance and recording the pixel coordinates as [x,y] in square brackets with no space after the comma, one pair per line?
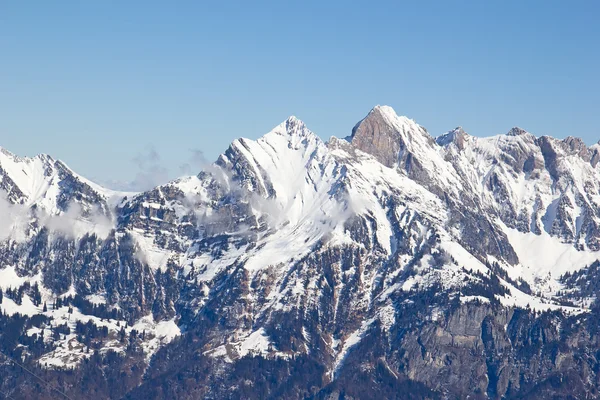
[377,135]
[457,136]
[390,265]
[516,131]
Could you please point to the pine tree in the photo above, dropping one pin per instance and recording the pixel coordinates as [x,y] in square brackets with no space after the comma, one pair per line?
[36,295]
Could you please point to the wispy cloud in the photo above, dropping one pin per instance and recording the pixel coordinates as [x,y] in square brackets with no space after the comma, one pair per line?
[74,222]
[149,173]
[13,219]
[196,163]
[152,171]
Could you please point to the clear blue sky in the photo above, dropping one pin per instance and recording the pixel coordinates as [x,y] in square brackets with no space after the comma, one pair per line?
[100,83]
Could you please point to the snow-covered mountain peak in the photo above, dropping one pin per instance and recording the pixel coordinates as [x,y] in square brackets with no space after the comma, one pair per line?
[272,164]
[45,188]
[293,120]
[292,132]
[576,145]
[457,136]
[516,131]
[384,134]
[6,154]
[390,117]
[385,111]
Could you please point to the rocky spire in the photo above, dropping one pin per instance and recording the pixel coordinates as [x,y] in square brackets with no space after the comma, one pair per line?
[382,133]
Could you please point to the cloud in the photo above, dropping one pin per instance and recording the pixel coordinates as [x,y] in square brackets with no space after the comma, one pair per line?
[149,173]
[74,222]
[152,172]
[14,219]
[64,223]
[267,208]
[196,163]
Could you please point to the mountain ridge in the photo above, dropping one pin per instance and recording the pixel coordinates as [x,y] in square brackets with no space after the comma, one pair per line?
[387,253]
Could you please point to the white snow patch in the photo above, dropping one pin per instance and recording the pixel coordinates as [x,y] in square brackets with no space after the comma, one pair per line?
[258,341]
[10,279]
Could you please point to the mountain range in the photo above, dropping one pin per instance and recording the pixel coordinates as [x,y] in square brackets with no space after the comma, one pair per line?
[387,264]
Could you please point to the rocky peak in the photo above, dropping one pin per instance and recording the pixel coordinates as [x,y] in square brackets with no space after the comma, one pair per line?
[516,131]
[457,136]
[575,145]
[383,134]
[293,123]
[292,132]
[594,155]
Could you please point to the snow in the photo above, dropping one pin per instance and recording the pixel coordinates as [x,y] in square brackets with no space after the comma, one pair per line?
[255,343]
[522,300]
[540,255]
[550,216]
[157,334]
[209,266]
[26,307]
[387,316]
[40,179]
[258,341]
[10,279]
[149,253]
[353,339]
[30,174]
[96,299]
[469,299]
[294,161]
[167,330]
[70,352]
[462,256]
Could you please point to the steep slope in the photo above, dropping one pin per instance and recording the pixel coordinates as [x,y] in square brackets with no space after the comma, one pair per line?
[49,184]
[544,191]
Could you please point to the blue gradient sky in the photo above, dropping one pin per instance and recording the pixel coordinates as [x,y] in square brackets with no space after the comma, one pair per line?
[100,84]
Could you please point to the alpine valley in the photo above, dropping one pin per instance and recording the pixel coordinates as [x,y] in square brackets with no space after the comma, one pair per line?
[387,265]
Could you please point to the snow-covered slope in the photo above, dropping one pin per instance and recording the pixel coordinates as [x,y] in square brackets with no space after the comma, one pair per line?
[47,183]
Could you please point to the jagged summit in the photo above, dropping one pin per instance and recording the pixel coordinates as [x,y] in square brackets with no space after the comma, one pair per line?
[291,127]
[16,158]
[576,145]
[456,136]
[386,112]
[382,133]
[292,123]
[386,115]
[516,131]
